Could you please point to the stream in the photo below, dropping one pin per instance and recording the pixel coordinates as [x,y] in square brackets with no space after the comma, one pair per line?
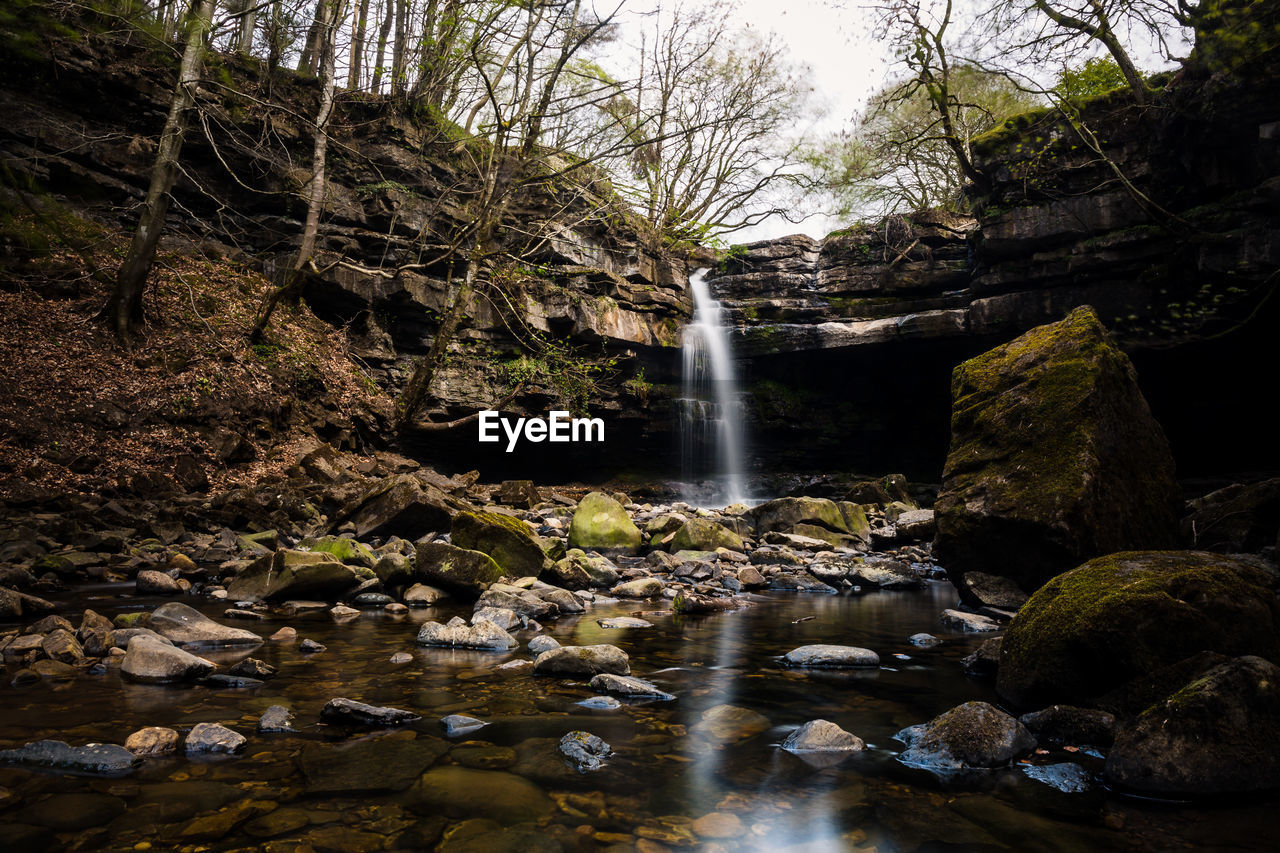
[670,784]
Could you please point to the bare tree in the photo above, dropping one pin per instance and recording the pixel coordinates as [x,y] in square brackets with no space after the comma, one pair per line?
[520,77]
[712,110]
[331,13]
[1055,29]
[124,310]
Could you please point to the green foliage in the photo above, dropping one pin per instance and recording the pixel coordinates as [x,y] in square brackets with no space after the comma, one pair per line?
[1096,76]
[563,369]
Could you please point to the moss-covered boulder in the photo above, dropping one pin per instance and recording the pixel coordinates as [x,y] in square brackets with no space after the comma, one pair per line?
[579,570]
[295,574]
[975,734]
[702,534]
[457,569]
[508,540]
[402,505]
[1094,629]
[785,514]
[600,523]
[342,549]
[1216,735]
[1054,458]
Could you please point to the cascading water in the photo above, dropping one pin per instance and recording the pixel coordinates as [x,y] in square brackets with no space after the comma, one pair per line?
[711,408]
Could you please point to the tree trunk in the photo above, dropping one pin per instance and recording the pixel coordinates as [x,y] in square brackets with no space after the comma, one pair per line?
[418,389]
[311,48]
[383,35]
[248,23]
[124,310]
[398,51]
[357,45]
[330,12]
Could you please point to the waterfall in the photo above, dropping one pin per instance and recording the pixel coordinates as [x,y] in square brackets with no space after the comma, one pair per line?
[711,409]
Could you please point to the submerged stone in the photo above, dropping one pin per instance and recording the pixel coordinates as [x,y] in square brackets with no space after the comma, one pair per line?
[584,750]
[103,759]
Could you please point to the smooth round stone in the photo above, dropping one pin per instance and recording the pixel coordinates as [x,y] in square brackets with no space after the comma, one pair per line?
[730,723]
[373,599]
[459,724]
[623,622]
[152,740]
[834,657]
[401,657]
[284,635]
[923,640]
[822,736]
[600,703]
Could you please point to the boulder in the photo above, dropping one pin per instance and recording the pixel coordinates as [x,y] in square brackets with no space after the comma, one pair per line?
[509,541]
[638,588]
[401,505]
[522,601]
[151,582]
[883,574]
[975,734]
[1217,735]
[579,570]
[627,686]
[521,493]
[884,491]
[340,548]
[583,661]
[701,534]
[1054,458]
[987,590]
[61,645]
[457,725]
[784,514]
[352,713]
[421,595]
[584,750]
[393,570]
[822,736]
[150,661]
[1238,518]
[276,719]
[209,738]
[97,759]
[458,634]
[10,605]
[287,574]
[542,643]
[600,523]
[1094,629]
[152,740]
[984,661]
[253,668]
[831,657]
[1071,726]
[457,569]
[189,628]
[970,623]
[916,525]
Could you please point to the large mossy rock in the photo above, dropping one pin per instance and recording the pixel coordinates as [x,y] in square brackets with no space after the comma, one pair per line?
[457,569]
[1054,458]
[701,534]
[1096,628]
[601,524]
[509,541]
[786,514]
[288,574]
[1216,735]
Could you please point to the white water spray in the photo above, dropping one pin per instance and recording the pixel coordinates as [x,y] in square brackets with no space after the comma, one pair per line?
[711,410]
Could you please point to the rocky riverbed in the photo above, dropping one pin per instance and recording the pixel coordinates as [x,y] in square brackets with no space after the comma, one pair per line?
[591,674]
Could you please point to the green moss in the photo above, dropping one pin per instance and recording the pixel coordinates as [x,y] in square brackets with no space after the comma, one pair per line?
[1118,617]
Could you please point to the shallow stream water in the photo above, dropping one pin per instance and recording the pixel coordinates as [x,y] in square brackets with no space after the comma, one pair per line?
[506,787]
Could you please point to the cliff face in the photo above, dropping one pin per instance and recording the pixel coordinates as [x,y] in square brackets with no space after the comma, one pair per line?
[1164,218]
[82,114]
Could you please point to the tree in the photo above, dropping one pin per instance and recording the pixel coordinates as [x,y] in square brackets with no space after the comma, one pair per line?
[897,158]
[519,56]
[124,310]
[710,116]
[1042,30]
[1094,77]
[331,13]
